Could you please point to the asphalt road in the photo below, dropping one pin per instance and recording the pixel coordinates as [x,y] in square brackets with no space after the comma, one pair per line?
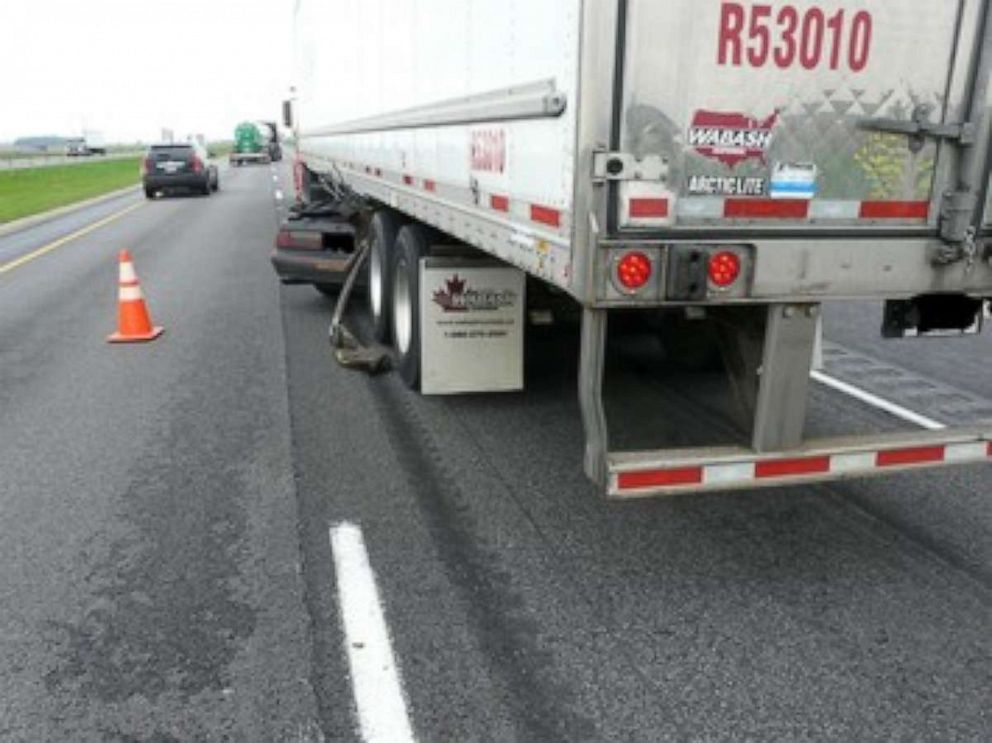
[166,570]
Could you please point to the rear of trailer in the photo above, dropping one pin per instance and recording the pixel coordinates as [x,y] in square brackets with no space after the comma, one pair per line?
[741,162]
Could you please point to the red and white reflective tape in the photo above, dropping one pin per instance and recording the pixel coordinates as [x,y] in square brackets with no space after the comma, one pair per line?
[707,207]
[629,479]
[545,215]
[542,214]
[642,207]
[499,203]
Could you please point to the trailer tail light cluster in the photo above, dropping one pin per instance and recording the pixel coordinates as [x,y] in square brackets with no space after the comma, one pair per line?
[724,268]
[633,271]
[702,272]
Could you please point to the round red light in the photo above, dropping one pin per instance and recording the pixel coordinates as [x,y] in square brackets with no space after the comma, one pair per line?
[633,270]
[724,268]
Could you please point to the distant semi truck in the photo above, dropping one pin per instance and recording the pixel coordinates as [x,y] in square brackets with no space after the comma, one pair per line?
[91,143]
[256,141]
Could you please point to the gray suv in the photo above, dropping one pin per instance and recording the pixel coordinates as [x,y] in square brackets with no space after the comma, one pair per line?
[178,166]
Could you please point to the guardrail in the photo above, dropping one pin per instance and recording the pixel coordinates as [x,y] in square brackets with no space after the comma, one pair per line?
[18,161]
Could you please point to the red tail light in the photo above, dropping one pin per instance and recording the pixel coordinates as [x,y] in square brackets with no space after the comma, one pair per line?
[197,164]
[299,239]
[633,270]
[724,268]
[147,166]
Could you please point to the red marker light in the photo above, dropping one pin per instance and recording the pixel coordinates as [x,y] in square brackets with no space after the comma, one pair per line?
[633,270]
[724,268]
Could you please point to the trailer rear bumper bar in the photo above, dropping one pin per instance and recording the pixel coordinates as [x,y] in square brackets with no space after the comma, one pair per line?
[242,157]
[671,472]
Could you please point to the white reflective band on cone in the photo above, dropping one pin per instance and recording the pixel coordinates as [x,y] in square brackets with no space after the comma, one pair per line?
[127,274]
[130,294]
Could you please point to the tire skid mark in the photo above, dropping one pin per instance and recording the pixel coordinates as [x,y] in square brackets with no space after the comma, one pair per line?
[508,638]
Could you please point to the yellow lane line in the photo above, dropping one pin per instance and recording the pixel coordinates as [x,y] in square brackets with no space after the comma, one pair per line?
[18,262]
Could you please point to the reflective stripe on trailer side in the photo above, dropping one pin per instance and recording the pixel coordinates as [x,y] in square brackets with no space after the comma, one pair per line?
[641,474]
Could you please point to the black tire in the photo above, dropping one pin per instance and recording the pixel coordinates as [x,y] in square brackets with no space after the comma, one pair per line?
[149,193]
[379,300]
[215,182]
[411,246]
[205,188]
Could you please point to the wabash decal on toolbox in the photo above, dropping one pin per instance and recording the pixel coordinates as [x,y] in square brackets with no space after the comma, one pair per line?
[717,185]
[457,296]
[731,138]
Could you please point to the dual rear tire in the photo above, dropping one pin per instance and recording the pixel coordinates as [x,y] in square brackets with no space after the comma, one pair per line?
[394,290]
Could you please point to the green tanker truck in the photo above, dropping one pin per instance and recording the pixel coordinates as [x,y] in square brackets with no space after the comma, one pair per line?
[256,142]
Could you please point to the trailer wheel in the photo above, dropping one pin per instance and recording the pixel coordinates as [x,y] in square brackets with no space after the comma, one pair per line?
[382,236]
[411,246]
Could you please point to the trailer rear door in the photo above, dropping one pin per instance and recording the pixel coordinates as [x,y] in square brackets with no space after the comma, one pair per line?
[760,109]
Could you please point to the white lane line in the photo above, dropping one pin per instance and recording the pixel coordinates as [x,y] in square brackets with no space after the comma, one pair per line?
[375,677]
[875,401]
[278,195]
[275,177]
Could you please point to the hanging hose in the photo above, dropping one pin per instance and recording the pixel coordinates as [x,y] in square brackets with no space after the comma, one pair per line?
[349,351]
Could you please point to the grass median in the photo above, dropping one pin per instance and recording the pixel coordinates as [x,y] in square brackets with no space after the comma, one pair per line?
[33,190]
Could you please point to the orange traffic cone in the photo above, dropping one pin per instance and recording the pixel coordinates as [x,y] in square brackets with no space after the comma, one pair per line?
[133,323]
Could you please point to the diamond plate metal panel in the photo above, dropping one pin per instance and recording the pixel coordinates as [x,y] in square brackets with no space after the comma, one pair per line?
[679,95]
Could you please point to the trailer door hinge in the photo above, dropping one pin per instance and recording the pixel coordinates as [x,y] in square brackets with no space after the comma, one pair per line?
[623,166]
[917,128]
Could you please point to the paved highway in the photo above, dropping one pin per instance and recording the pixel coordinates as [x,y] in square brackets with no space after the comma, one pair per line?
[224,535]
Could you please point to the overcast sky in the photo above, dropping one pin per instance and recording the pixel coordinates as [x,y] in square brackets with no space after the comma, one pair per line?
[128,68]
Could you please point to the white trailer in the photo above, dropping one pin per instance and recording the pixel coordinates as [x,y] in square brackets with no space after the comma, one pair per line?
[732,162]
[94,142]
[91,143]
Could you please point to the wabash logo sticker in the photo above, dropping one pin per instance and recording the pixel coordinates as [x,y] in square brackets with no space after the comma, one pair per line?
[731,138]
[455,296]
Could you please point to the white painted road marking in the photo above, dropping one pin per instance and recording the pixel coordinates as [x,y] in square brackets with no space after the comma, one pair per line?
[375,677]
[875,401]
[17,262]
[278,195]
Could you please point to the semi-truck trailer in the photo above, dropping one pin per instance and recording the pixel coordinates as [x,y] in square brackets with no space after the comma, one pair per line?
[255,141]
[91,143]
[721,167]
